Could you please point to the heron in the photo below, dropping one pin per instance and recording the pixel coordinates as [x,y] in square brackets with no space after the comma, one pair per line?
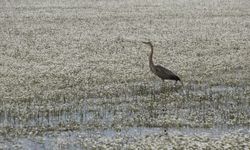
[158,70]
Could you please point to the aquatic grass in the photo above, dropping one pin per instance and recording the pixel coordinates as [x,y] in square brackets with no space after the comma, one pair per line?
[166,109]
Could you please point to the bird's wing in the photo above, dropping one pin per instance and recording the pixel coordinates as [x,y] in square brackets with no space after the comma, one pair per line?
[165,73]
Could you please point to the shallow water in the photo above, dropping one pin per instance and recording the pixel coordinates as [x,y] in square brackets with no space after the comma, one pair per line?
[104,109]
[99,117]
[69,139]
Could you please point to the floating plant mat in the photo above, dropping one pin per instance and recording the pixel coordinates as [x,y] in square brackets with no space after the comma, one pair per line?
[138,110]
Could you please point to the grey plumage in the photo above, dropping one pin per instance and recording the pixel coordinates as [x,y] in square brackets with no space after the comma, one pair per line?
[161,72]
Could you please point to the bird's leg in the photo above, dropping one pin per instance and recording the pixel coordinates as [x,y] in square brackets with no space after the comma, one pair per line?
[175,82]
[162,83]
[181,83]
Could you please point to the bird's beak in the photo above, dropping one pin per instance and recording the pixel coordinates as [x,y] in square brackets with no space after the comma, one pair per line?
[146,42]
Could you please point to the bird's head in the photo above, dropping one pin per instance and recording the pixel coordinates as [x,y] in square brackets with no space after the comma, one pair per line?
[148,43]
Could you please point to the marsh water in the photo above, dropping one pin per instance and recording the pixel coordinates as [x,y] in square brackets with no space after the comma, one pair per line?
[141,110]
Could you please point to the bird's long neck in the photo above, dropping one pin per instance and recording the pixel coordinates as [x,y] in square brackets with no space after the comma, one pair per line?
[151,63]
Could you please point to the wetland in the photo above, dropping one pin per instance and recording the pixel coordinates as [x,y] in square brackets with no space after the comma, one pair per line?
[75,75]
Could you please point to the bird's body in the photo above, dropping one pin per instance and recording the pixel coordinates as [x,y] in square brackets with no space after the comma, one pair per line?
[158,70]
[165,74]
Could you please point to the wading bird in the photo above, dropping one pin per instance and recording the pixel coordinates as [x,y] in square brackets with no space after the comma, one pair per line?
[160,71]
